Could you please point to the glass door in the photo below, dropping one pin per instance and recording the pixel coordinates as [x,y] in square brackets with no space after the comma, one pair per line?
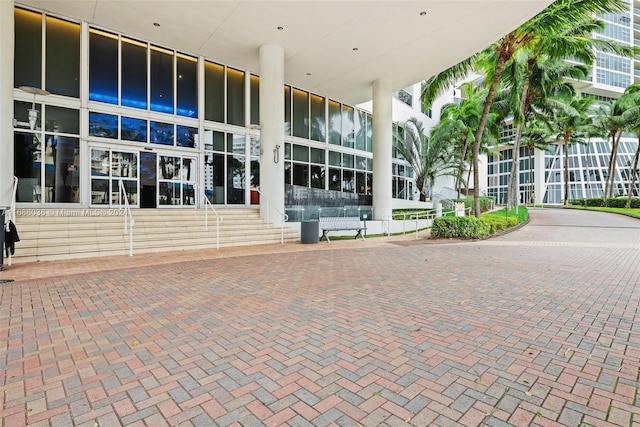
[148,179]
[108,167]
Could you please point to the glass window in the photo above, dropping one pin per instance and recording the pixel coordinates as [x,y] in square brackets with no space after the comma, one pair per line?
[214,177]
[124,165]
[161,133]
[300,113]
[348,126]
[287,151]
[335,123]
[255,100]
[235,143]
[21,112]
[317,155]
[187,86]
[287,173]
[361,130]
[301,174]
[317,176]
[335,179]
[63,57]
[347,160]
[62,164]
[103,67]
[335,158]
[133,129]
[287,110]
[186,136]
[103,125]
[161,80]
[235,97]
[235,180]
[27,166]
[27,60]
[62,120]
[213,92]
[300,153]
[214,140]
[134,74]
[369,133]
[318,121]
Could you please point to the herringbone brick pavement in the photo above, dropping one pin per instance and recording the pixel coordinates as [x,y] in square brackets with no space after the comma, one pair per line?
[537,327]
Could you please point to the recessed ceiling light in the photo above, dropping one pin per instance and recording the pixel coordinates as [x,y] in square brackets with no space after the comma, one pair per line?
[354,49]
[423,13]
[155,24]
[280,28]
[308,74]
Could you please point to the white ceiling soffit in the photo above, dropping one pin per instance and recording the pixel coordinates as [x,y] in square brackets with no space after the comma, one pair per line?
[393,39]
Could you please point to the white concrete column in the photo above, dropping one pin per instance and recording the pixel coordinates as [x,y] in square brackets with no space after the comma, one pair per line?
[6,102]
[272,131]
[382,144]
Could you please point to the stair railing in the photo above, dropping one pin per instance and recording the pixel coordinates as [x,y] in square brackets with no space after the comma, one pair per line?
[10,215]
[283,216]
[128,217]
[207,206]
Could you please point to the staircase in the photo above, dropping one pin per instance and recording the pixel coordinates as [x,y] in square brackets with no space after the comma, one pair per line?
[50,234]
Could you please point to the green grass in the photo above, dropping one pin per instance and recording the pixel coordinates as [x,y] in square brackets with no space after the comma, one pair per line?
[634,212]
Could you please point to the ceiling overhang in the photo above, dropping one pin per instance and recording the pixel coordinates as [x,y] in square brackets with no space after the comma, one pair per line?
[332,48]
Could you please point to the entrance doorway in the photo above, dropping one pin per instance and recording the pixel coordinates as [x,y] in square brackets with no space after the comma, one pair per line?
[148,179]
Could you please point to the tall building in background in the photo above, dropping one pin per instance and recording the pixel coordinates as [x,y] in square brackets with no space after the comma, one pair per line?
[609,76]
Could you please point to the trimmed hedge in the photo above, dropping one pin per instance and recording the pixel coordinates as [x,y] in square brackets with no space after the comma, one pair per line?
[485,202]
[613,202]
[468,227]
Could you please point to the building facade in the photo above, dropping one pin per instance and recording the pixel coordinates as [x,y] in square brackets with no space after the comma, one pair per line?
[541,173]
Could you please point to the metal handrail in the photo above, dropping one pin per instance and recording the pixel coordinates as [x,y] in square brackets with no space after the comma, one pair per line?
[128,217]
[283,215]
[207,205]
[11,214]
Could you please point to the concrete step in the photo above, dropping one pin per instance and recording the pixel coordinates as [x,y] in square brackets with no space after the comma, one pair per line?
[76,233]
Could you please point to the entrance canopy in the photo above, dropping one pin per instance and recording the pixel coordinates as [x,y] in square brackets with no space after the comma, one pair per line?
[334,48]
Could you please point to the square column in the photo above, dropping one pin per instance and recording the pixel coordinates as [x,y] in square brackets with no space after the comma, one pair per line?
[382,149]
[272,133]
[6,102]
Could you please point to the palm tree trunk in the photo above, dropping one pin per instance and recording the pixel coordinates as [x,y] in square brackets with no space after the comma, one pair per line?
[634,174]
[512,193]
[465,147]
[566,170]
[531,185]
[614,160]
[605,194]
[502,59]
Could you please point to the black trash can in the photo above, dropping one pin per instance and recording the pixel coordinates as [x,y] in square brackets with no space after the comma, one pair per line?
[310,231]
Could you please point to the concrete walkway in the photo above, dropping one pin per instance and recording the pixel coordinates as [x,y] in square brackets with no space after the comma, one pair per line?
[536,327]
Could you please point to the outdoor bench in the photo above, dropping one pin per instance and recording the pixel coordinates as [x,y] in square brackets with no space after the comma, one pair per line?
[328,224]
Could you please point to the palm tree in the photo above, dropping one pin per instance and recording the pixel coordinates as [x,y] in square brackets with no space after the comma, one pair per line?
[573,125]
[536,135]
[429,158]
[546,83]
[630,101]
[459,121]
[610,120]
[561,14]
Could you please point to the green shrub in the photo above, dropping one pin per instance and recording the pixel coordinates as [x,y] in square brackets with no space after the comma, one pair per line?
[615,202]
[468,227]
[486,202]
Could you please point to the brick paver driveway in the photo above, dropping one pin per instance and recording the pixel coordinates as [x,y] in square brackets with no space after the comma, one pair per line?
[537,327]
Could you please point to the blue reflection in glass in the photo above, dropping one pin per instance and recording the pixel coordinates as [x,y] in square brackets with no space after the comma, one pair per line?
[161,133]
[134,75]
[103,125]
[133,129]
[186,136]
